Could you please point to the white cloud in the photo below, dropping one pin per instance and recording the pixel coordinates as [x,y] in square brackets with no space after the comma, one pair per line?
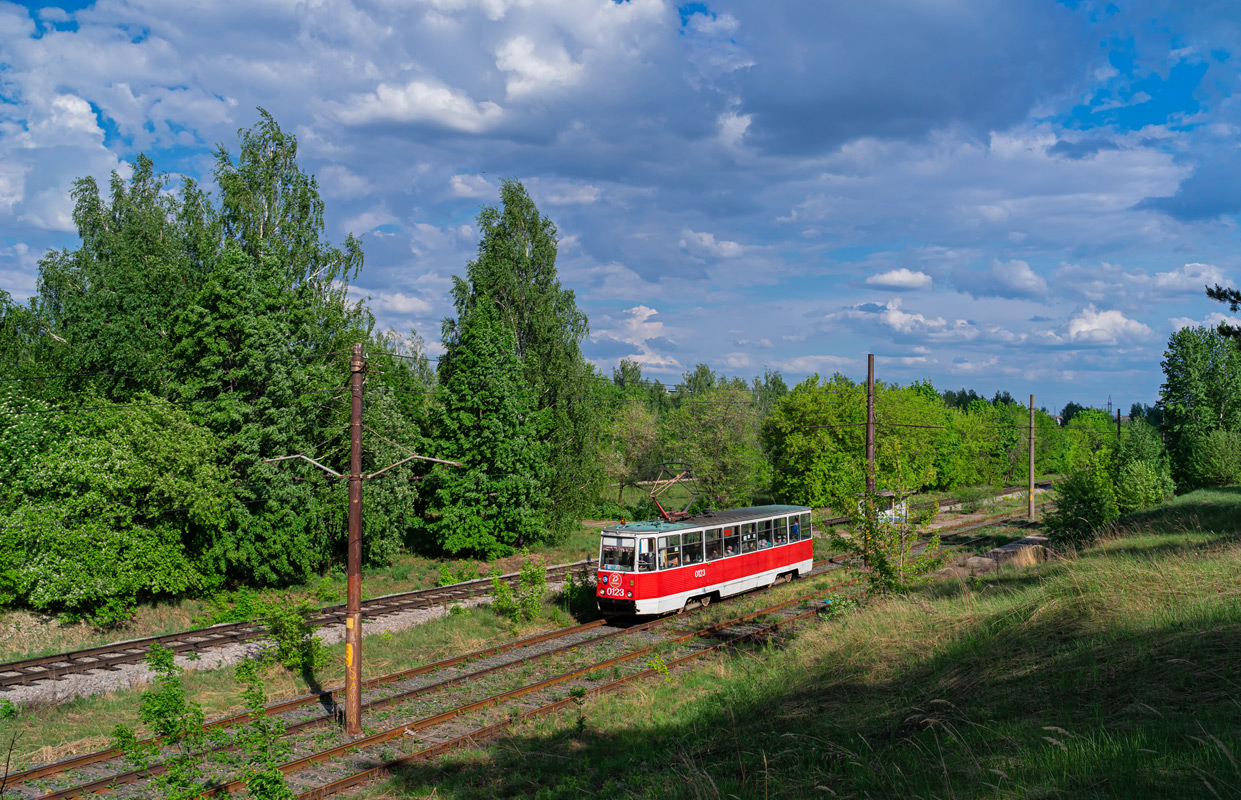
[1211,321]
[472,186]
[568,194]
[1105,327]
[531,73]
[338,180]
[705,244]
[12,184]
[820,364]
[420,101]
[1191,278]
[902,278]
[1016,278]
[399,303]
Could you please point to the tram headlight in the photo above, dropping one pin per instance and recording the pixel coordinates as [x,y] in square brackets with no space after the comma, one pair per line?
[628,594]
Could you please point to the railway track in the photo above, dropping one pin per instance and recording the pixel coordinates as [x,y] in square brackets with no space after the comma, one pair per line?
[112,656]
[414,691]
[445,702]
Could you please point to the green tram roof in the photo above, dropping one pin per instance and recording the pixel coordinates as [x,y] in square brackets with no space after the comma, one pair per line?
[706,519]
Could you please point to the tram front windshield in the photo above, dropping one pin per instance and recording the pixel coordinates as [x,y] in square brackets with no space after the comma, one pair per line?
[616,553]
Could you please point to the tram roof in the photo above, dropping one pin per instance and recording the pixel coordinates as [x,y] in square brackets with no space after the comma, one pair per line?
[706,519]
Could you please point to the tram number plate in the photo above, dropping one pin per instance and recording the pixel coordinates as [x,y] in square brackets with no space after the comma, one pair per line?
[613,591]
[700,573]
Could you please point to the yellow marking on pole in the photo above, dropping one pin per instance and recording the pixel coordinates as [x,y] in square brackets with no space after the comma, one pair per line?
[349,623]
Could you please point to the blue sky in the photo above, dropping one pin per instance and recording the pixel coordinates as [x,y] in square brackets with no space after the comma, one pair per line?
[1016,195]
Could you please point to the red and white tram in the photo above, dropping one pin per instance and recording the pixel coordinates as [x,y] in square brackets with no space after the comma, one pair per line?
[657,567]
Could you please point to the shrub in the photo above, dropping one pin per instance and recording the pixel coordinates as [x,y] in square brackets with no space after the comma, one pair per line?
[1085,501]
[177,722]
[578,595]
[524,603]
[1142,484]
[1217,458]
[288,625]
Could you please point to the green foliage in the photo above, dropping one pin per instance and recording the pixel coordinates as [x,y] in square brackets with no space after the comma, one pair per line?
[1216,458]
[1142,483]
[716,431]
[815,438]
[524,603]
[633,444]
[449,576]
[578,595]
[1201,393]
[657,664]
[1085,502]
[514,280]
[111,511]
[261,741]
[885,544]
[177,722]
[496,501]
[295,646]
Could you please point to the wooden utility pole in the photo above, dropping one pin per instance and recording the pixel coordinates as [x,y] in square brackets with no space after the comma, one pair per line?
[870,423]
[353,570]
[1030,508]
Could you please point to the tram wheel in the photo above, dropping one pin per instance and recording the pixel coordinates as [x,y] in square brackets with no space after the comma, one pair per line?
[704,601]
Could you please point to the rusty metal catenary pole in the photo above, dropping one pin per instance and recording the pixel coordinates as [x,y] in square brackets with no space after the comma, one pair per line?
[353,603]
[870,423]
[1118,424]
[1030,509]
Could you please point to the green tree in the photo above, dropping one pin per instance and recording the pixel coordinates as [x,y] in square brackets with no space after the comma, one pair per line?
[497,501]
[717,432]
[514,275]
[115,509]
[634,451]
[1201,393]
[1085,502]
[816,439]
[104,306]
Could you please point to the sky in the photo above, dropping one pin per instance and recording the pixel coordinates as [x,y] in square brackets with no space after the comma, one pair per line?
[1007,195]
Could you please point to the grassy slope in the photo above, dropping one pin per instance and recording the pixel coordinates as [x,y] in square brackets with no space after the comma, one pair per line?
[1113,674]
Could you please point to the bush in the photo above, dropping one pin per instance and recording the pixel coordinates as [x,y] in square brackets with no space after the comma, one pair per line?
[290,630]
[578,595]
[525,603]
[1085,501]
[1142,484]
[1217,458]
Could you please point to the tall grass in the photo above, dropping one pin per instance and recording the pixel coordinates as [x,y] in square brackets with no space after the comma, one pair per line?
[1112,673]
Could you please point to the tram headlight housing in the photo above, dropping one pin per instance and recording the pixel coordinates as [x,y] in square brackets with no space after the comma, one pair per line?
[628,594]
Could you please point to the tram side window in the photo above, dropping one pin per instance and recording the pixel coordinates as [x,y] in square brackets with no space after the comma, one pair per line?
[801,530]
[670,551]
[779,530]
[616,553]
[765,533]
[646,555]
[691,548]
[714,545]
[731,547]
[749,539]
